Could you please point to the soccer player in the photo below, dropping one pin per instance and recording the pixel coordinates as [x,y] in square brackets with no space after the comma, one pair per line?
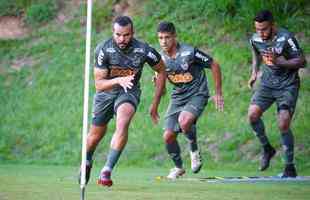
[279,52]
[185,70]
[118,68]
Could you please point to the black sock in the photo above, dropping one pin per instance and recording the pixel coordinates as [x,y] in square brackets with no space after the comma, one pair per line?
[175,153]
[287,139]
[89,156]
[259,129]
[192,138]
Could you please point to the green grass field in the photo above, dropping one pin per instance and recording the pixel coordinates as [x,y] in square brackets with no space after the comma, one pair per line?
[31,182]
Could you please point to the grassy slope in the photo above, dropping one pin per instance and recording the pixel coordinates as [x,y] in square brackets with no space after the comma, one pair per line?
[41,105]
[22,182]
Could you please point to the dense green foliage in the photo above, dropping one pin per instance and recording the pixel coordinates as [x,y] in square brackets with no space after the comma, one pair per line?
[41,102]
[35,12]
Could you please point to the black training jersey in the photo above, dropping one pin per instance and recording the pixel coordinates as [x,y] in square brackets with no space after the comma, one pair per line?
[186,72]
[283,44]
[125,62]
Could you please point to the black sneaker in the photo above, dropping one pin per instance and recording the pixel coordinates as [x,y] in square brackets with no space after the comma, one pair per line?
[87,175]
[266,157]
[289,171]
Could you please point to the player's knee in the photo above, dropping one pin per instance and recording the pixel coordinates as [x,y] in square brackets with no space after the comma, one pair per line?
[284,120]
[253,115]
[185,125]
[169,137]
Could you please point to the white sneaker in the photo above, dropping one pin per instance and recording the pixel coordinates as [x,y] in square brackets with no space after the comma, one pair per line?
[196,161]
[175,173]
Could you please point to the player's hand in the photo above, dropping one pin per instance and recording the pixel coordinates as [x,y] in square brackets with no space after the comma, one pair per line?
[252,81]
[125,82]
[219,102]
[154,114]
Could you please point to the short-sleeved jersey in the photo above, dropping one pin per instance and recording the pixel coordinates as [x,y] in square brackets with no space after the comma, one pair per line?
[283,44]
[186,72]
[129,61]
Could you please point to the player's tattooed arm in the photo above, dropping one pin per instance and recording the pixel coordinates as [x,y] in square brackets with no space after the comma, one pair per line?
[102,83]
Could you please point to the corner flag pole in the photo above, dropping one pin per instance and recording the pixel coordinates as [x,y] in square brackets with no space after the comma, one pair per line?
[86,95]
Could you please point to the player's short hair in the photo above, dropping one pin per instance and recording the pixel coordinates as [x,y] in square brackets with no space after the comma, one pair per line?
[123,21]
[263,15]
[166,27]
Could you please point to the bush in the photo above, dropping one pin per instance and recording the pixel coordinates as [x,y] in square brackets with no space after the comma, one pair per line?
[13,7]
[38,13]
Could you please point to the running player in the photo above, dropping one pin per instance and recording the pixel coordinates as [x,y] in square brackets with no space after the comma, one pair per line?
[185,70]
[118,67]
[282,57]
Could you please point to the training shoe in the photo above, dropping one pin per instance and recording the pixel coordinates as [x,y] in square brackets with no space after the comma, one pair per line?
[105,179]
[87,175]
[289,171]
[266,157]
[196,161]
[175,173]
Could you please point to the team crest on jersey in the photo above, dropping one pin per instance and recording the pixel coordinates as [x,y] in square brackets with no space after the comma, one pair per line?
[138,50]
[111,50]
[184,66]
[278,50]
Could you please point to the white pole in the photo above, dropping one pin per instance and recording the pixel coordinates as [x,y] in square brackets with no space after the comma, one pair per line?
[86,95]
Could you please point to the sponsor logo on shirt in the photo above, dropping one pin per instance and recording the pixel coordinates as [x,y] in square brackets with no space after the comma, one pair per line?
[152,56]
[100,57]
[180,78]
[202,57]
[117,71]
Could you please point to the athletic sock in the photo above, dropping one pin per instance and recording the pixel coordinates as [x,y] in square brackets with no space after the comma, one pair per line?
[192,139]
[89,156]
[287,139]
[175,153]
[112,159]
[259,129]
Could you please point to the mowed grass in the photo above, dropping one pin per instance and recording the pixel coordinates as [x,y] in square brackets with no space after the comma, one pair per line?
[28,182]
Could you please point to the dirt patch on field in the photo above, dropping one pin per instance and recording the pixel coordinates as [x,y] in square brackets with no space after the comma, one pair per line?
[12,27]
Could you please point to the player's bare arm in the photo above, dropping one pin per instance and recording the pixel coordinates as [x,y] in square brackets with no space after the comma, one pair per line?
[294,63]
[217,77]
[256,61]
[104,84]
[159,90]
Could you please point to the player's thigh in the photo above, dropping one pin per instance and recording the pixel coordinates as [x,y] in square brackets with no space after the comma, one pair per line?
[286,99]
[262,99]
[194,107]
[103,109]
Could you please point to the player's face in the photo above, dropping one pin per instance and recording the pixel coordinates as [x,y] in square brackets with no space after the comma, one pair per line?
[264,29]
[122,35]
[166,40]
